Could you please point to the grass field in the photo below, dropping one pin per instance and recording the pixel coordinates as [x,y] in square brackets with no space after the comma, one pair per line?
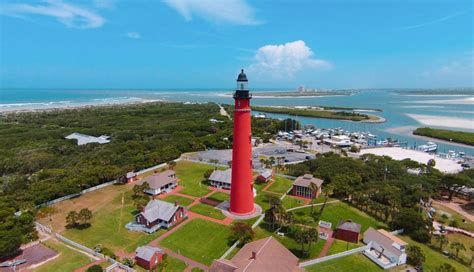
[448,135]
[219,196]
[200,240]
[108,227]
[433,258]
[353,263]
[338,211]
[452,215]
[340,246]
[190,176]
[183,201]
[463,239]
[281,185]
[207,210]
[291,202]
[68,260]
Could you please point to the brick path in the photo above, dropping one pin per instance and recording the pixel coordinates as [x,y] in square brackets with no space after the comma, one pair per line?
[328,243]
[268,186]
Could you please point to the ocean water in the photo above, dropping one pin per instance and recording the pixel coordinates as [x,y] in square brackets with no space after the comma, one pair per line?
[396,108]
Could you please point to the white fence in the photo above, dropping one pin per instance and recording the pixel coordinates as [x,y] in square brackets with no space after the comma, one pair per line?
[334,256]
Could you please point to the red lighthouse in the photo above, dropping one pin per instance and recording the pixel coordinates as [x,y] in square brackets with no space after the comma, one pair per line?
[241,194]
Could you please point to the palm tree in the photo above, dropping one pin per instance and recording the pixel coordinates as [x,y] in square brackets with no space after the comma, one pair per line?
[472,256]
[314,189]
[457,246]
[327,190]
[441,239]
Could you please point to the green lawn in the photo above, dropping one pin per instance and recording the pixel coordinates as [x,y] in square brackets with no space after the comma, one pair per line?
[354,263]
[184,201]
[174,265]
[190,176]
[335,212]
[200,240]
[207,210]
[452,215]
[219,196]
[340,246]
[463,239]
[290,202]
[281,185]
[262,199]
[261,232]
[108,227]
[433,258]
[68,260]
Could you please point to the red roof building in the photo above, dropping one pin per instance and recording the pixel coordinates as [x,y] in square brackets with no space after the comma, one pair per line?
[347,231]
[149,257]
[262,255]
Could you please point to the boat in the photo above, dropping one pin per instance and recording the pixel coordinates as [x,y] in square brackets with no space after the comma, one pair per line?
[428,147]
[260,115]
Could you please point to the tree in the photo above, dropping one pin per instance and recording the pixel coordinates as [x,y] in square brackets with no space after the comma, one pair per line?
[431,163]
[10,242]
[328,189]
[445,268]
[72,218]
[85,215]
[242,232]
[472,255]
[128,262]
[171,165]
[442,240]
[416,256]
[458,247]
[95,268]
[207,174]
[454,183]
[140,202]
[408,219]
[314,189]
[306,236]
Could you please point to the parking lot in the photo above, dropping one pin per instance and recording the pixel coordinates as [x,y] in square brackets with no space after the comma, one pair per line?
[290,153]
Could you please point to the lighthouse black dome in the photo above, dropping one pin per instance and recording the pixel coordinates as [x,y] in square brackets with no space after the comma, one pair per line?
[242,76]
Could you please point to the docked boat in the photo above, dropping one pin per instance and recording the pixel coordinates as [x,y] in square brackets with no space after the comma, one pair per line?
[260,115]
[428,147]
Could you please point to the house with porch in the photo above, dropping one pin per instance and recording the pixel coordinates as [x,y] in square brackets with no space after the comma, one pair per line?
[385,249]
[148,257]
[158,214]
[302,186]
[222,179]
[266,254]
[162,182]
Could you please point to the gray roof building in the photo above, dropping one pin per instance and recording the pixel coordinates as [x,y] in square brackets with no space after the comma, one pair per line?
[224,176]
[159,209]
[159,180]
[348,225]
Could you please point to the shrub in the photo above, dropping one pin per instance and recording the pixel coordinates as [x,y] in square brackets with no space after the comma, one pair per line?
[421,235]
[95,268]
[109,253]
[454,223]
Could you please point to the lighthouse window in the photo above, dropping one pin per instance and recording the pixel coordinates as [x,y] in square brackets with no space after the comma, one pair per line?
[241,86]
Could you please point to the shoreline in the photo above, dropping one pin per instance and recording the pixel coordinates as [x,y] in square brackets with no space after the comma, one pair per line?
[408,131]
[442,121]
[77,106]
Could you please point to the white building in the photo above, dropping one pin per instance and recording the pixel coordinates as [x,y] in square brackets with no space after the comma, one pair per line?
[386,250]
[83,139]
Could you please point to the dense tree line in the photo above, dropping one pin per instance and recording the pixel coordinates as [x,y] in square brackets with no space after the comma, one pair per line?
[384,188]
[37,164]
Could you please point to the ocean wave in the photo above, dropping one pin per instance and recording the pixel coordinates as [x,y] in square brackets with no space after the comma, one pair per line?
[11,105]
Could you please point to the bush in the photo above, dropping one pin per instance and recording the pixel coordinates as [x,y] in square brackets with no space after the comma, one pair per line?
[421,235]
[453,223]
[109,253]
[95,268]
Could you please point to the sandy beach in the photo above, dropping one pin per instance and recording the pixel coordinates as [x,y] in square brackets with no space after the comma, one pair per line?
[443,121]
[398,153]
[460,101]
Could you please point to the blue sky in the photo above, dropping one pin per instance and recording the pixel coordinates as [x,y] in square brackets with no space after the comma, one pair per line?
[204,43]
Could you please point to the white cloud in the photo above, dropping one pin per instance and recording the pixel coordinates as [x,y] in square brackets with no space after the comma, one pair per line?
[67,14]
[107,4]
[230,11]
[134,35]
[439,20]
[285,60]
